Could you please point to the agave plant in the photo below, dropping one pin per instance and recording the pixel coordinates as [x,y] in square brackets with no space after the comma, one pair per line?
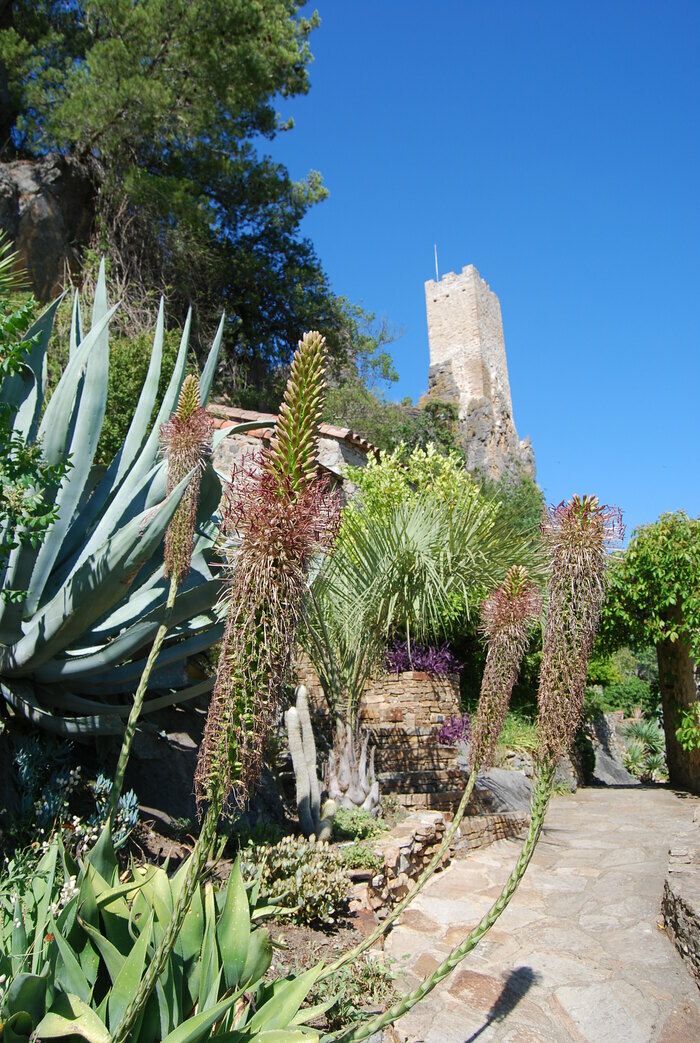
[75,945]
[96,585]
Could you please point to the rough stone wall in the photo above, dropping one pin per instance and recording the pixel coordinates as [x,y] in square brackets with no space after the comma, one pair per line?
[468,366]
[680,903]
[403,712]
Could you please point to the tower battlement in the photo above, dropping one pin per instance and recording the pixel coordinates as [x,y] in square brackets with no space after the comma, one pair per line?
[468,366]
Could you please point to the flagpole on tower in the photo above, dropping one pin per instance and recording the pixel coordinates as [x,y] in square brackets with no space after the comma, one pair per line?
[437,274]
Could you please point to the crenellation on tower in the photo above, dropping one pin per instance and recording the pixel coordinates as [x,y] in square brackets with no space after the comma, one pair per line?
[468,366]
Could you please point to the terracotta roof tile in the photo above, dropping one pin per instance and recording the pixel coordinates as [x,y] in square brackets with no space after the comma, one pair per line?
[226,416]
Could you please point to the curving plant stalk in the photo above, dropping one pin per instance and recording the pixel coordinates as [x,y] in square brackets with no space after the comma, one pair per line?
[507,615]
[186,445]
[576,534]
[279,517]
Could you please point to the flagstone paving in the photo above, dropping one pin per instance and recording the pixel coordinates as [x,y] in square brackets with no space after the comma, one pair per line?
[578,956]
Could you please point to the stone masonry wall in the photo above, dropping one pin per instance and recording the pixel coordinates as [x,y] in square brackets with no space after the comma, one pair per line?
[403,712]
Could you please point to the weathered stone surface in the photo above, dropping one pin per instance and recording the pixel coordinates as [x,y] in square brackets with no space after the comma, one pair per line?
[681,898]
[609,767]
[498,790]
[46,208]
[578,956]
[468,367]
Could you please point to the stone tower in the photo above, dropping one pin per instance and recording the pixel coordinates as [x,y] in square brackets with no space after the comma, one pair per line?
[468,367]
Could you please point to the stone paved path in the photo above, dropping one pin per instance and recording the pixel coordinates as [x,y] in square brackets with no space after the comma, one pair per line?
[578,955]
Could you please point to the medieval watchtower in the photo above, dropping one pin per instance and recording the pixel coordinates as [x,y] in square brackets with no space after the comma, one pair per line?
[468,367]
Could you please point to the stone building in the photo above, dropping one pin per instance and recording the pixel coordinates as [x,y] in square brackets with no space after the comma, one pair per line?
[468,367]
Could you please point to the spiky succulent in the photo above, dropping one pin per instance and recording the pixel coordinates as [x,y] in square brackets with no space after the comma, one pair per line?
[97,586]
[576,534]
[507,615]
[279,512]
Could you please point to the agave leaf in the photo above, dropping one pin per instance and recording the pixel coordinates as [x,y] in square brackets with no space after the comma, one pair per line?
[258,958]
[233,928]
[56,425]
[80,705]
[208,967]
[42,887]
[76,326]
[208,373]
[19,391]
[129,976]
[286,999]
[27,992]
[68,973]
[194,1029]
[69,1016]
[93,589]
[86,427]
[20,695]
[131,640]
[114,960]
[141,419]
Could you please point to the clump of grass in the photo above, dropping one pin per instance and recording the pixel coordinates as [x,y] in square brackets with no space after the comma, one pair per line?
[356,824]
[518,733]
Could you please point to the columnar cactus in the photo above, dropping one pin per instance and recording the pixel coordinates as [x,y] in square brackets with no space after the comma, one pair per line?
[313,819]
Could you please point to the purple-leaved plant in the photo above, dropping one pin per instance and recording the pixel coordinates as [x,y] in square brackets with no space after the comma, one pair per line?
[429,658]
[456,731]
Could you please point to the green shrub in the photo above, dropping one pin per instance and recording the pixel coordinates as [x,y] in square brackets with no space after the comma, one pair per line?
[519,733]
[356,990]
[361,855]
[305,878]
[644,757]
[356,824]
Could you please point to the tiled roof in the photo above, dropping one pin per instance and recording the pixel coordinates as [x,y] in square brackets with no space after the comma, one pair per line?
[228,416]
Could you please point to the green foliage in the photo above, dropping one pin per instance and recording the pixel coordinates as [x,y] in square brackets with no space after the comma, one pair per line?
[96,590]
[654,586]
[163,105]
[356,990]
[356,824]
[688,731]
[629,681]
[644,756]
[75,943]
[361,855]
[520,503]
[305,879]
[407,474]
[518,733]
[388,424]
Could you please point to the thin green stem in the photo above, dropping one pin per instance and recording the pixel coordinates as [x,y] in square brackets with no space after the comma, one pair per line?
[193,874]
[137,705]
[383,927]
[540,801]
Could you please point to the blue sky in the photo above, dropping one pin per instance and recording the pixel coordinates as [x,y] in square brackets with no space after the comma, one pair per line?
[556,146]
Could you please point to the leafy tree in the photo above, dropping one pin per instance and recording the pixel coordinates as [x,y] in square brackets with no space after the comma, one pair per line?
[654,596]
[520,500]
[162,103]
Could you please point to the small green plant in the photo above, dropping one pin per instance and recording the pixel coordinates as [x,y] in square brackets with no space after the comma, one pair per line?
[356,824]
[356,991]
[518,733]
[361,855]
[644,757]
[305,878]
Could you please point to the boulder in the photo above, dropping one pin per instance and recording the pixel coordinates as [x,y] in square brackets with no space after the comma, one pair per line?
[499,790]
[47,210]
[609,769]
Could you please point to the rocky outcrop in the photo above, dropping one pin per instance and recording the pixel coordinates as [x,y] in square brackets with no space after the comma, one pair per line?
[609,751]
[46,209]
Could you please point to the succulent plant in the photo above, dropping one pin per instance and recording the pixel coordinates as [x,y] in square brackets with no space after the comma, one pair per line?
[315,820]
[96,585]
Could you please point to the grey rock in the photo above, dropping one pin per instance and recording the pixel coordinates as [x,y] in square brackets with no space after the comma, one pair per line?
[609,767]
[47,210]
[499,790]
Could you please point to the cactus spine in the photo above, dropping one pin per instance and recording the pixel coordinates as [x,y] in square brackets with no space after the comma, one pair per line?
[314,820]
